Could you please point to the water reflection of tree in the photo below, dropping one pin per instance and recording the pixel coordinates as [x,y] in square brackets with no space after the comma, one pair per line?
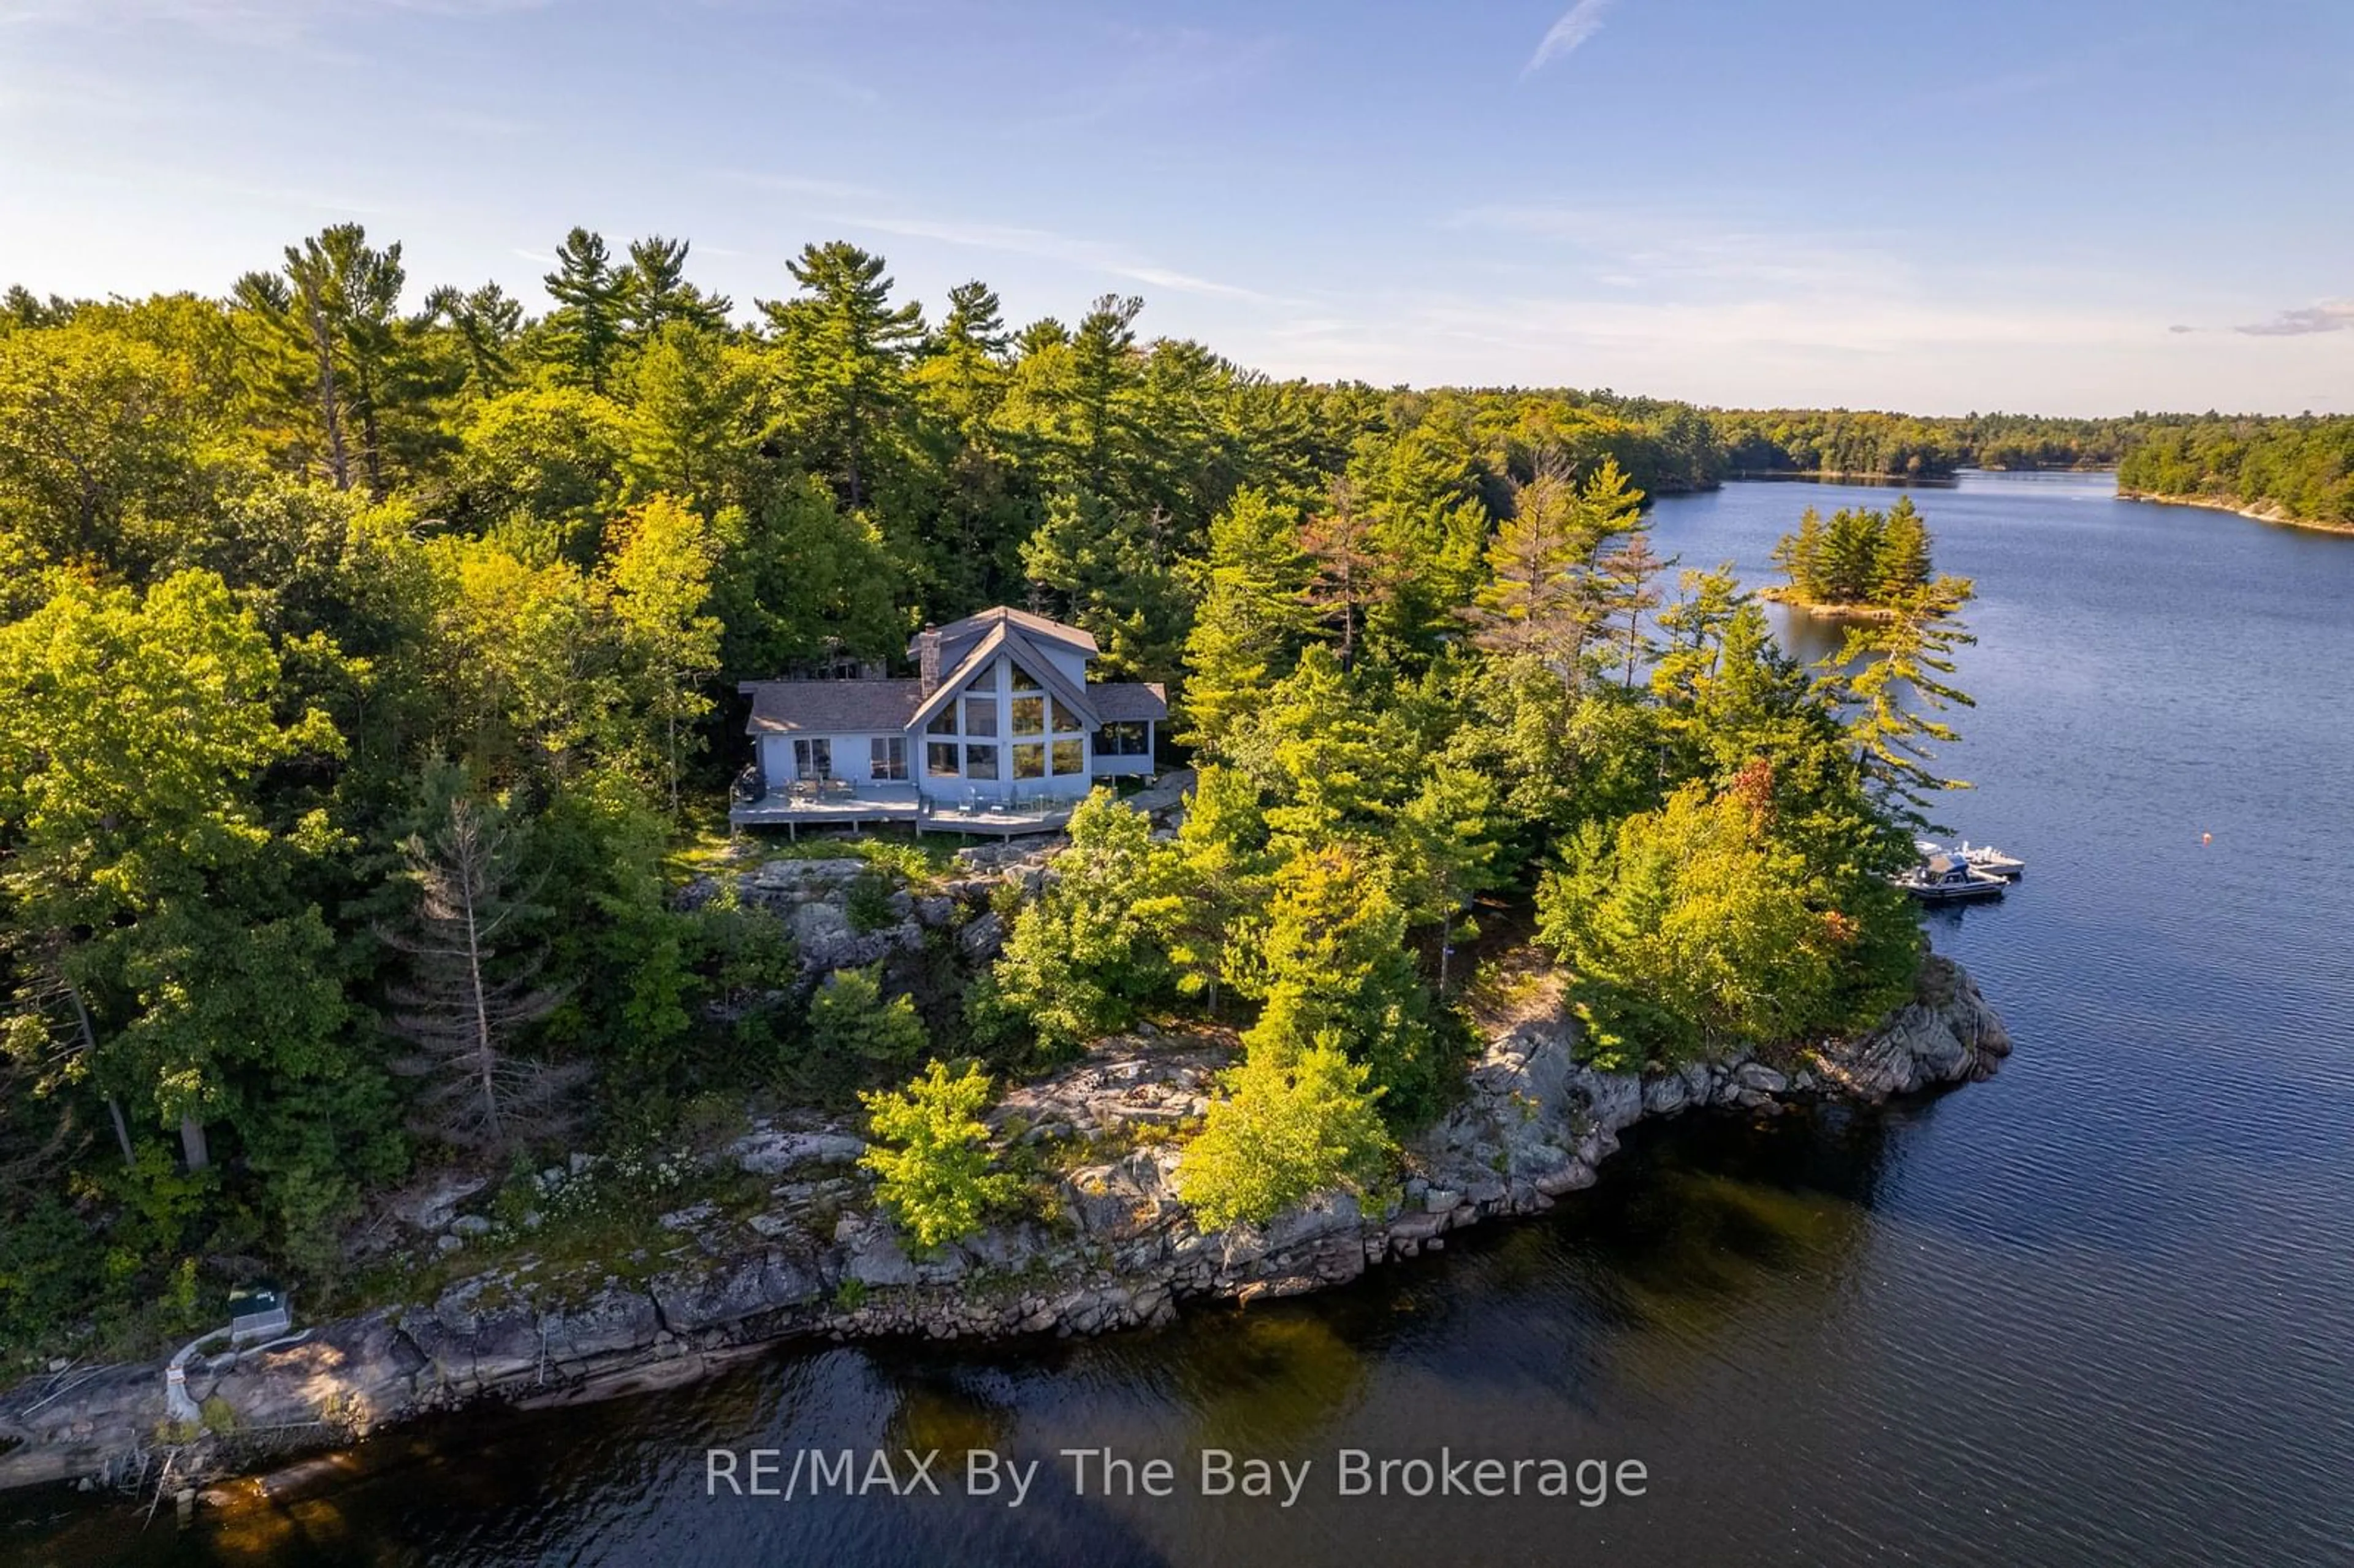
[1267,1379]
[1727,1232]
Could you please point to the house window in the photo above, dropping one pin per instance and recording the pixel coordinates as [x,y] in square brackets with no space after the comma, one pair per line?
[1029,715]
[1065,721]
[814,758]
[1125,738]
[1070,757]
[981,716]
[980,762]
[943,722]
[940,759]
[1024,681]
[1030,761]
[889,756]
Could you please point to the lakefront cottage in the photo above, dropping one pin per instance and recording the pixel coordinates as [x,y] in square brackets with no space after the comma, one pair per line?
[1000,730]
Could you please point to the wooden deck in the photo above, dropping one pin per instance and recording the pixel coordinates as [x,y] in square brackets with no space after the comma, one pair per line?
[858,811]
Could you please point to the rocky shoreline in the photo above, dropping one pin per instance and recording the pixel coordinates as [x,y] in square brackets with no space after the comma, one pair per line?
[2263,512]
[818,1262]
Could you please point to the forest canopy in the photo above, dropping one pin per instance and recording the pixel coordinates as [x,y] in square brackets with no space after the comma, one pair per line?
[368,655]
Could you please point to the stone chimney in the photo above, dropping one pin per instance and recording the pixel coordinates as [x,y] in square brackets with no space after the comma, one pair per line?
[928,658]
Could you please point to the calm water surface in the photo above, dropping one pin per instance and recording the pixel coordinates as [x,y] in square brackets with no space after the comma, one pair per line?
[2093,1311]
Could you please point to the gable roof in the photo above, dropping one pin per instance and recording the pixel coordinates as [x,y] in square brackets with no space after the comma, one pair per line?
[957,638]
[1004,638]
[822,707]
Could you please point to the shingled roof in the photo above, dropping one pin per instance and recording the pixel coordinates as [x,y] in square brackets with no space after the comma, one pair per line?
[1004,637]
[1123,702]
[786,707]
[959,638]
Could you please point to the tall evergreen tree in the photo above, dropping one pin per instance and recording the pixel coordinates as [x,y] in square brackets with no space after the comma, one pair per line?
[1893,677]
[842,352]
[1532,602]
[655,291]
[464,1003]
[1250,617]
[1348,580]
[1900,565]
[487,323]
[591,295]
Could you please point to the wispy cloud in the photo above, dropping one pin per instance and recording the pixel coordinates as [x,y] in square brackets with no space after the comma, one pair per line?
[2329,316]
[236,13]
[1047,245]
[1577,25]
[796,185]
[1637,247]
[275,22]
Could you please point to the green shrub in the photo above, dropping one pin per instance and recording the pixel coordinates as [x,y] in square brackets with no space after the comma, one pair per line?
[850,1021]
[931,1150]
[868,902]
[1291,1124]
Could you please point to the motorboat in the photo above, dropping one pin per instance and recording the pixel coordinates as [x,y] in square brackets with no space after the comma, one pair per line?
[1946,878]
[1980,857]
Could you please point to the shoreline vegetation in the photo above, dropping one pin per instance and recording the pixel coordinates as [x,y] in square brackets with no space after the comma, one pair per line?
[2271,512]
[816,1260]
[1828,610]
[2298,473]
[370,661]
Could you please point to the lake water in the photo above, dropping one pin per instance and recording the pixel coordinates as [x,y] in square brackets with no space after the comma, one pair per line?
[2096,1310]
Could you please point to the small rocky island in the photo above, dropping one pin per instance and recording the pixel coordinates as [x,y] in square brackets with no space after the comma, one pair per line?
[1865,566]
[800,1250]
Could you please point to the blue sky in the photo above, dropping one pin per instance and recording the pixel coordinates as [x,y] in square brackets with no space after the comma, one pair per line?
[1972,204]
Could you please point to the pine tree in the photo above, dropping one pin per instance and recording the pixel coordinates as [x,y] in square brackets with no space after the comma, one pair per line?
[842,354]
[693,419]
[462,1006]
[334,313]
[1348,580]
[1251,617]
[487,323]
[1448,852]
[1532,603]
[1111,571]
[1213,893]
[591,295]
[930,1151]
[1892,678]
[1088,953]
[656,292]
[1104,373]
[1626,595]
[1291,1124]
[1336,971]
[1900,565]
[1850,551]
[851,1022]
[1800,555]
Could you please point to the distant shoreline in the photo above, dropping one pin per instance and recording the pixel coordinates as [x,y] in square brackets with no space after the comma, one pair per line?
[1942,479]
[1838,476]
[2263,512]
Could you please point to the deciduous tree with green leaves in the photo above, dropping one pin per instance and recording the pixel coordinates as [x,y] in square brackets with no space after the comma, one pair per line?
[1086,954]
[1289,1125]
[930,1151]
